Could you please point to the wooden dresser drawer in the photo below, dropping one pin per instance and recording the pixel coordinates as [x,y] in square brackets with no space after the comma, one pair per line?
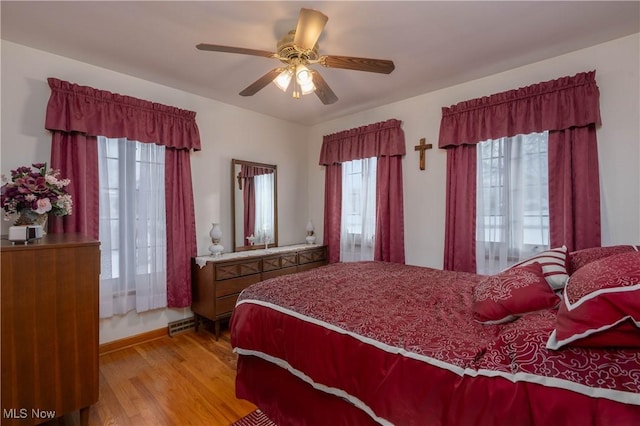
[225,271]
[286,260]
[235,286]
[315,255]
[277,272]
[225,305]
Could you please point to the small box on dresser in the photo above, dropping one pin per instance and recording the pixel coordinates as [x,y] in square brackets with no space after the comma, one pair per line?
[218,281]
[49,328]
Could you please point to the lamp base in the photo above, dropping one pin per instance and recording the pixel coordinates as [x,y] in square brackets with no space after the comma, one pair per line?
[216,249]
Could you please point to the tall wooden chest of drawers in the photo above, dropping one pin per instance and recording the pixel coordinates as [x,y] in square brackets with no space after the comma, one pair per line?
[49,328]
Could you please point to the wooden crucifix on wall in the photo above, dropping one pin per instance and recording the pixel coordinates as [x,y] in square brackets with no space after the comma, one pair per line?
[423,151]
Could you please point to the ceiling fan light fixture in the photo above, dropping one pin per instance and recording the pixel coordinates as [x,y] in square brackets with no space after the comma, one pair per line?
[299,47]
[283,80]
[303,75]
[307,88]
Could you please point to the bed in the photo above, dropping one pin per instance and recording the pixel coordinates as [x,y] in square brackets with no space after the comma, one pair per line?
[380,343]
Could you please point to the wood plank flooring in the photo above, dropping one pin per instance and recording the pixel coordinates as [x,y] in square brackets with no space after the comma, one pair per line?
[187,379]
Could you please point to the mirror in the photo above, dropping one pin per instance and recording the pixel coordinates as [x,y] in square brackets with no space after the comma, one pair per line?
[254,205]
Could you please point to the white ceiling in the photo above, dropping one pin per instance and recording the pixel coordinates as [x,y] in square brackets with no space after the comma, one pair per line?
[433,44]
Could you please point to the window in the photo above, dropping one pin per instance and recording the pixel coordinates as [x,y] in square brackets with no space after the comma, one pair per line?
[132,226]
[358,224]
[512,212]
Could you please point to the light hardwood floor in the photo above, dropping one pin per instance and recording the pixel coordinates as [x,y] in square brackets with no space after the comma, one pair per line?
[187,379]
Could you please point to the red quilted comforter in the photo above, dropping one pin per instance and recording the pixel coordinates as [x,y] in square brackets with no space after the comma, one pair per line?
[399,343]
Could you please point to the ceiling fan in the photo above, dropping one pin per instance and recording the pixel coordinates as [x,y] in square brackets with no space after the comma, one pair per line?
[297,50]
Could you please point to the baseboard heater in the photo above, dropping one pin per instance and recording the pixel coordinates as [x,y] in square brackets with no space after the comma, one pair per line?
[181,326]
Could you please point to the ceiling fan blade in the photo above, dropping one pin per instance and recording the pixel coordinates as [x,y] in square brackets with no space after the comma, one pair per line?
[323,91]
[262,82]
[382,66]
[230,49]
[310,26]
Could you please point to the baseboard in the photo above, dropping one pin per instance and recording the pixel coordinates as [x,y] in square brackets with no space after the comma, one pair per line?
[116,345]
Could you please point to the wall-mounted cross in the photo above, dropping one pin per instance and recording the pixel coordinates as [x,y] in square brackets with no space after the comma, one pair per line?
[423,148]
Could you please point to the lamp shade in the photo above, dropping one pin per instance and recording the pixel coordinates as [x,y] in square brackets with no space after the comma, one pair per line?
[283,79]
[303,75]
[215,233]
[310,239]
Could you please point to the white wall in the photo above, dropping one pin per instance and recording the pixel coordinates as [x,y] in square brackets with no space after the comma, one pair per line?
[618,76]
[227,132]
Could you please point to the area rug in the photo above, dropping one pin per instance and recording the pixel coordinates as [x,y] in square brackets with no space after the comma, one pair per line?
[254,418]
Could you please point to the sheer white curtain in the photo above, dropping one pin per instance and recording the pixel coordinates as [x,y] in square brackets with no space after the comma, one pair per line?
[358,224]
[512,212]
[264,207]
[132,226]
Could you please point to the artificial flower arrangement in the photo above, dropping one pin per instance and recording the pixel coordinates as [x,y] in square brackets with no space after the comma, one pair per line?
[35,191]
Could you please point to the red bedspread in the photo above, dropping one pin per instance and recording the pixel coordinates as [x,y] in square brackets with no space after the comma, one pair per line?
[399,343]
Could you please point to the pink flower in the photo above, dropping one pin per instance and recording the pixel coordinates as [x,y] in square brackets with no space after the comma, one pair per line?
[43,206]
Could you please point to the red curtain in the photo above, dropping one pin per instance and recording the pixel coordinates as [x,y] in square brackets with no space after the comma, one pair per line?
[568,108]
[574,188]
[181,226]
[389,243]
[384,140]
[100,113]
[249,203]
[77,114]
[76,155]
[332,210]
[460,221]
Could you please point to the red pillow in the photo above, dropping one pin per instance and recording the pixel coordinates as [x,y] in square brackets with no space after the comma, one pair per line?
[601,304]
[622,335]
[511,293]
[579,258]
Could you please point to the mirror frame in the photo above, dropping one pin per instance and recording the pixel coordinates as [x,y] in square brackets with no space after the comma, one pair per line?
[274,243]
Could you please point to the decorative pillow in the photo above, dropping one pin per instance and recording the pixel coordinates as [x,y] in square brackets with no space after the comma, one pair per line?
[601,301]
[504,297]
[622,335]
[554,262]
[579,258]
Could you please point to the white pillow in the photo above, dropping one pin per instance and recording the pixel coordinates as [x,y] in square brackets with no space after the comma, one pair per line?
[554,264]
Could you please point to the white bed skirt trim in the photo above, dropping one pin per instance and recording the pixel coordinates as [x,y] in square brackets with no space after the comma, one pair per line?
[612,394]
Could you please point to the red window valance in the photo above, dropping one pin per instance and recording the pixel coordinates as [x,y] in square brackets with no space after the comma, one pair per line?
[247,171]
[74,108]
[553,105]
[385,138]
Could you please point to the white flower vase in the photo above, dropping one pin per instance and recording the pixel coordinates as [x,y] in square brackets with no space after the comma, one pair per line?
[216,235]
[30,217]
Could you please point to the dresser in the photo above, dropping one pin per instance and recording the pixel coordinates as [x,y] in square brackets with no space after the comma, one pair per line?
[217,281]
[49,328]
